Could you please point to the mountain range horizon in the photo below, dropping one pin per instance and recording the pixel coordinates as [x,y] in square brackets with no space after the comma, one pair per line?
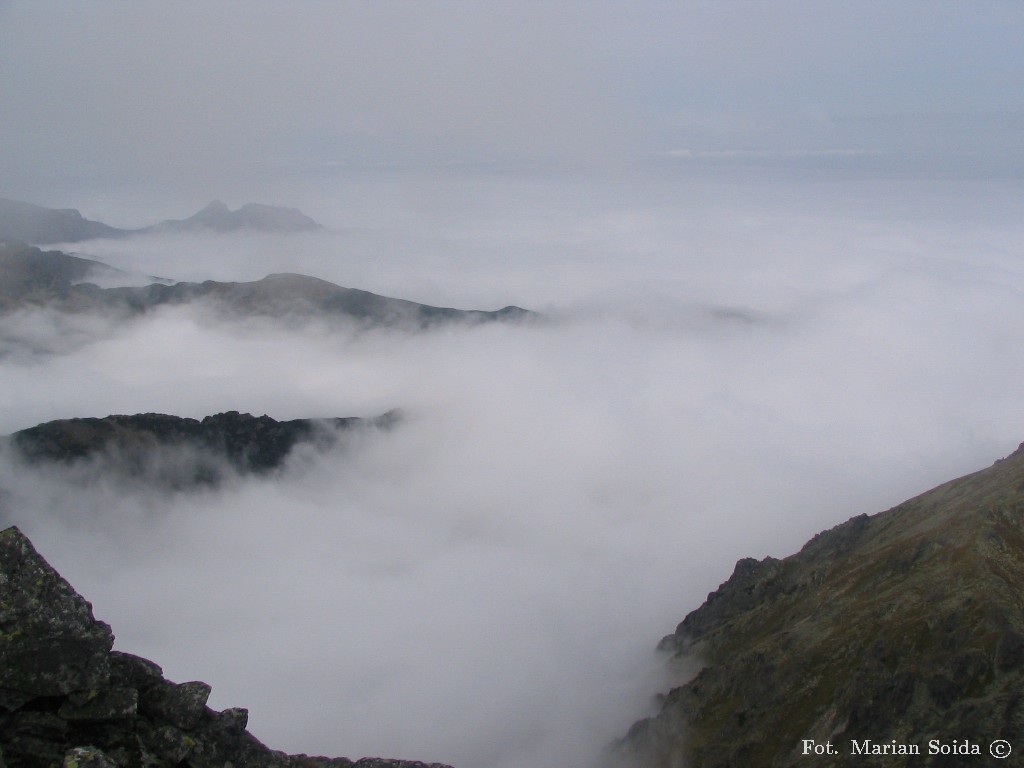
[38,225]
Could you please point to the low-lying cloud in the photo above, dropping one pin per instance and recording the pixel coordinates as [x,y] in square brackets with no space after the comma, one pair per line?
[721,374]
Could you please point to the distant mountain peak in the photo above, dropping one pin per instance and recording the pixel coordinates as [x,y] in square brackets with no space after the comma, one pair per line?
[218,217]
[215,215]
[36,224]
[218,207]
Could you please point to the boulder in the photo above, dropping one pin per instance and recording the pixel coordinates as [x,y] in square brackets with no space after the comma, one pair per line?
[50,644]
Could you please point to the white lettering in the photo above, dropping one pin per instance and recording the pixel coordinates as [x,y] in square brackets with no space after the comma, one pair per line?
[868,747]
[955,747]
[813,747]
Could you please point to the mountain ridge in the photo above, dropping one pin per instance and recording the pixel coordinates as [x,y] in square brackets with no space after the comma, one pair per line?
[180,453]
[38,225]
[905,628]
[217,217]
[32,277]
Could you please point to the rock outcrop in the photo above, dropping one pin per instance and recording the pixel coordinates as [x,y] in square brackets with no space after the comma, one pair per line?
[176,452]
[899,631]
[68,701]
[31,277]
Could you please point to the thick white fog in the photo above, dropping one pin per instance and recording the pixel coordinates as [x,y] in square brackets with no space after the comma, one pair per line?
[726,366]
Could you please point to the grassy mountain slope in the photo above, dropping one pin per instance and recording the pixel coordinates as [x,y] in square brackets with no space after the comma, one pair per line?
[905,628]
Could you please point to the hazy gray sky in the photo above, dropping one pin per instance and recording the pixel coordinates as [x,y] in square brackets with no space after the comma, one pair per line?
[187,94]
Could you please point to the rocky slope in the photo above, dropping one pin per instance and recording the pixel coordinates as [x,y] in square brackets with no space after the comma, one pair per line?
[68,700]
[900,631]
[175,452]
[31,277]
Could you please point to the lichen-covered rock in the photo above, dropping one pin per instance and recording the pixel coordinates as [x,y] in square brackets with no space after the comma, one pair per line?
[134,671]
[87,757]
[50,643]
[69,701]
[100,705]
[181,705]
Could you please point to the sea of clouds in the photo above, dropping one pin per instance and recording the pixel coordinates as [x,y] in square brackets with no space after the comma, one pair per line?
[723,367]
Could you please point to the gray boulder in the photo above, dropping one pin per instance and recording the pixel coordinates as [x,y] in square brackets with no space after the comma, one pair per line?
[50,644]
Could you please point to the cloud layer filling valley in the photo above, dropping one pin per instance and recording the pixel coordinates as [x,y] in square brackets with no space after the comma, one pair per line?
[484,584]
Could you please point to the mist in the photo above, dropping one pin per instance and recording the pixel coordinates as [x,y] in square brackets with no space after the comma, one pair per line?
[724,366]
[776,254]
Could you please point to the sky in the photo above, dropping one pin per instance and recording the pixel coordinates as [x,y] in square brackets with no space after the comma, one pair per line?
[777,248]
[194,97]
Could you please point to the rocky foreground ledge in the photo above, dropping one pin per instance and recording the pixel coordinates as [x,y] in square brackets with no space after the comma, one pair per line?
[68,700]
